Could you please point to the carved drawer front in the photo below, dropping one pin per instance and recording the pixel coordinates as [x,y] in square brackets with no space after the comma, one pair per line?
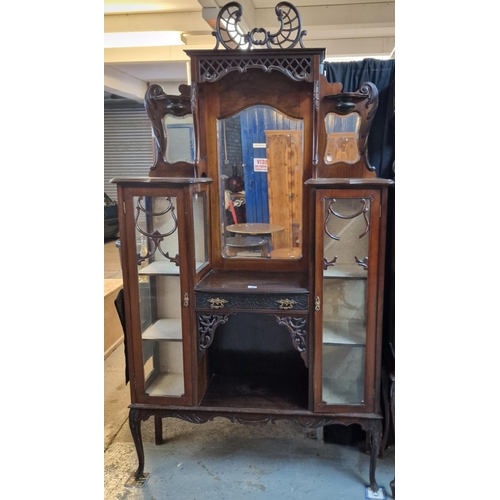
[270,302]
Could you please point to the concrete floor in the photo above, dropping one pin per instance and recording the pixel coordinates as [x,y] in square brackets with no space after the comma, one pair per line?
[225,460]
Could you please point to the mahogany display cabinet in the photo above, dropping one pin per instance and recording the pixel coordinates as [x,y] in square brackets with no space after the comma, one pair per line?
[253,253]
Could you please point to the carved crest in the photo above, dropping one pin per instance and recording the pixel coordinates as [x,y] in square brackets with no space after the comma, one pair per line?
[230,35]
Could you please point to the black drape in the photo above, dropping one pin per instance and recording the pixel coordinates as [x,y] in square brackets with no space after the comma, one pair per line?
[382,74]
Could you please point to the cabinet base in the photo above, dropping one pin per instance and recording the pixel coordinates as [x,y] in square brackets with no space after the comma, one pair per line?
[372,423]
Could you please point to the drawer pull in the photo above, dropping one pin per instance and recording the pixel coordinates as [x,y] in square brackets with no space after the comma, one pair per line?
[217,303]
[286,303]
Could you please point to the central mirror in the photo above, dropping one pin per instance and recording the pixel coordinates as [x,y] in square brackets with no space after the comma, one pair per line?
[260,172]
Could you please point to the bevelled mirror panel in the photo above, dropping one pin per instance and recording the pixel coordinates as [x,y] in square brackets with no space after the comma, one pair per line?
[261,158]
[341,138]
[179,132]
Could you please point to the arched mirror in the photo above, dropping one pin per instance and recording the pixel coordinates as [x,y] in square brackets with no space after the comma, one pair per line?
[260,171]
[342,138]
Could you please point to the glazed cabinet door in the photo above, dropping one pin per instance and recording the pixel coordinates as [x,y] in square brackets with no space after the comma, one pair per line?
[346,299]
[165,249]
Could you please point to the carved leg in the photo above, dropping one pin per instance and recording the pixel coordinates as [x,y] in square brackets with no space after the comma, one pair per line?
[393,411]
[135,428]
[387,411]
[158,430]
[375,438]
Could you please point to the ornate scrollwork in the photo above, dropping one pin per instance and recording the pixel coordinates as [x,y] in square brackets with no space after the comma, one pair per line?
[229,34]
[363,263]
[363,210]
[207,326]
[155,238]
[298,331]
[327,263]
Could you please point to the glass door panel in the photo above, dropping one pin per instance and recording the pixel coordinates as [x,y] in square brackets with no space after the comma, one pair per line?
[345,263]
[200,230]
[157,241]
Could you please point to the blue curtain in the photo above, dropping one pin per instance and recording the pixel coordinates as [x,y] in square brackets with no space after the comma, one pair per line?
[382,136]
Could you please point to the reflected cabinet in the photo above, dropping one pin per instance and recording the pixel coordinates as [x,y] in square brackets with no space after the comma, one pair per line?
[253,252]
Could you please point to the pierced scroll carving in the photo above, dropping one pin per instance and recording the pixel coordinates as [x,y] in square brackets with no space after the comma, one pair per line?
[230,35]
[208,323]
[155,237]
[298,331]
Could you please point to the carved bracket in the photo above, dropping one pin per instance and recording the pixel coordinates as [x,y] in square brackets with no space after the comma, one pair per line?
[298,331]
[208,323]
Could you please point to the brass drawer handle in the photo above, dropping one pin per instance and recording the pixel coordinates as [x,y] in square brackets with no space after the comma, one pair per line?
[217,303]
[286,303]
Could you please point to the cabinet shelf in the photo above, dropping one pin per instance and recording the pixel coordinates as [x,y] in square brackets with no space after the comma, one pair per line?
[345,271]
[164,329]
[342,391]
[166,384]
[159,267]
[240,391]
[344,332]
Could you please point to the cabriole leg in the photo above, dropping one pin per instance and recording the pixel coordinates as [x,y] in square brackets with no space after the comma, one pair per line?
[135,428]
[376,437]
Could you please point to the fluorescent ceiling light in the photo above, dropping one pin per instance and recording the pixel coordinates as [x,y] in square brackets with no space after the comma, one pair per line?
[142,39]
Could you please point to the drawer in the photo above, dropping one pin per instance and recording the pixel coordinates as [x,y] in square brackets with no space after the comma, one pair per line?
[249,302]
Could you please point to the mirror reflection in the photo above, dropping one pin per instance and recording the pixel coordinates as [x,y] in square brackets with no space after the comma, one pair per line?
[179,132]
[341,138]
[261,164]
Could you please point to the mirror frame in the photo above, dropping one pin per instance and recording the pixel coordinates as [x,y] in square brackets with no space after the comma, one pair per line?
[364,102]
[158,105]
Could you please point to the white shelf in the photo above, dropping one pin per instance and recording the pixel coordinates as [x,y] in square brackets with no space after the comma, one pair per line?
[160,267]
[164,329]
[339,391]
[345,271]
[167,384]
[344,332]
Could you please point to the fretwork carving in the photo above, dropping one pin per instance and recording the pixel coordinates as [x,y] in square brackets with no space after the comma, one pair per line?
[298,331]
[297,68]
[207,326]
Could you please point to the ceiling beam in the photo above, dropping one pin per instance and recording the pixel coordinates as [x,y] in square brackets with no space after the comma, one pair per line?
[125,85]
[171,21]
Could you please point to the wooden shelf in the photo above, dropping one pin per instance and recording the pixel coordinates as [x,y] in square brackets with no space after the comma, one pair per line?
[238,391]
[342,391]
[164,329]
[344,332]
[345,271]
[160,267]
[167,384]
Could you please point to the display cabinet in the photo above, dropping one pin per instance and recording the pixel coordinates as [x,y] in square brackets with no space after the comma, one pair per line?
[253,253]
